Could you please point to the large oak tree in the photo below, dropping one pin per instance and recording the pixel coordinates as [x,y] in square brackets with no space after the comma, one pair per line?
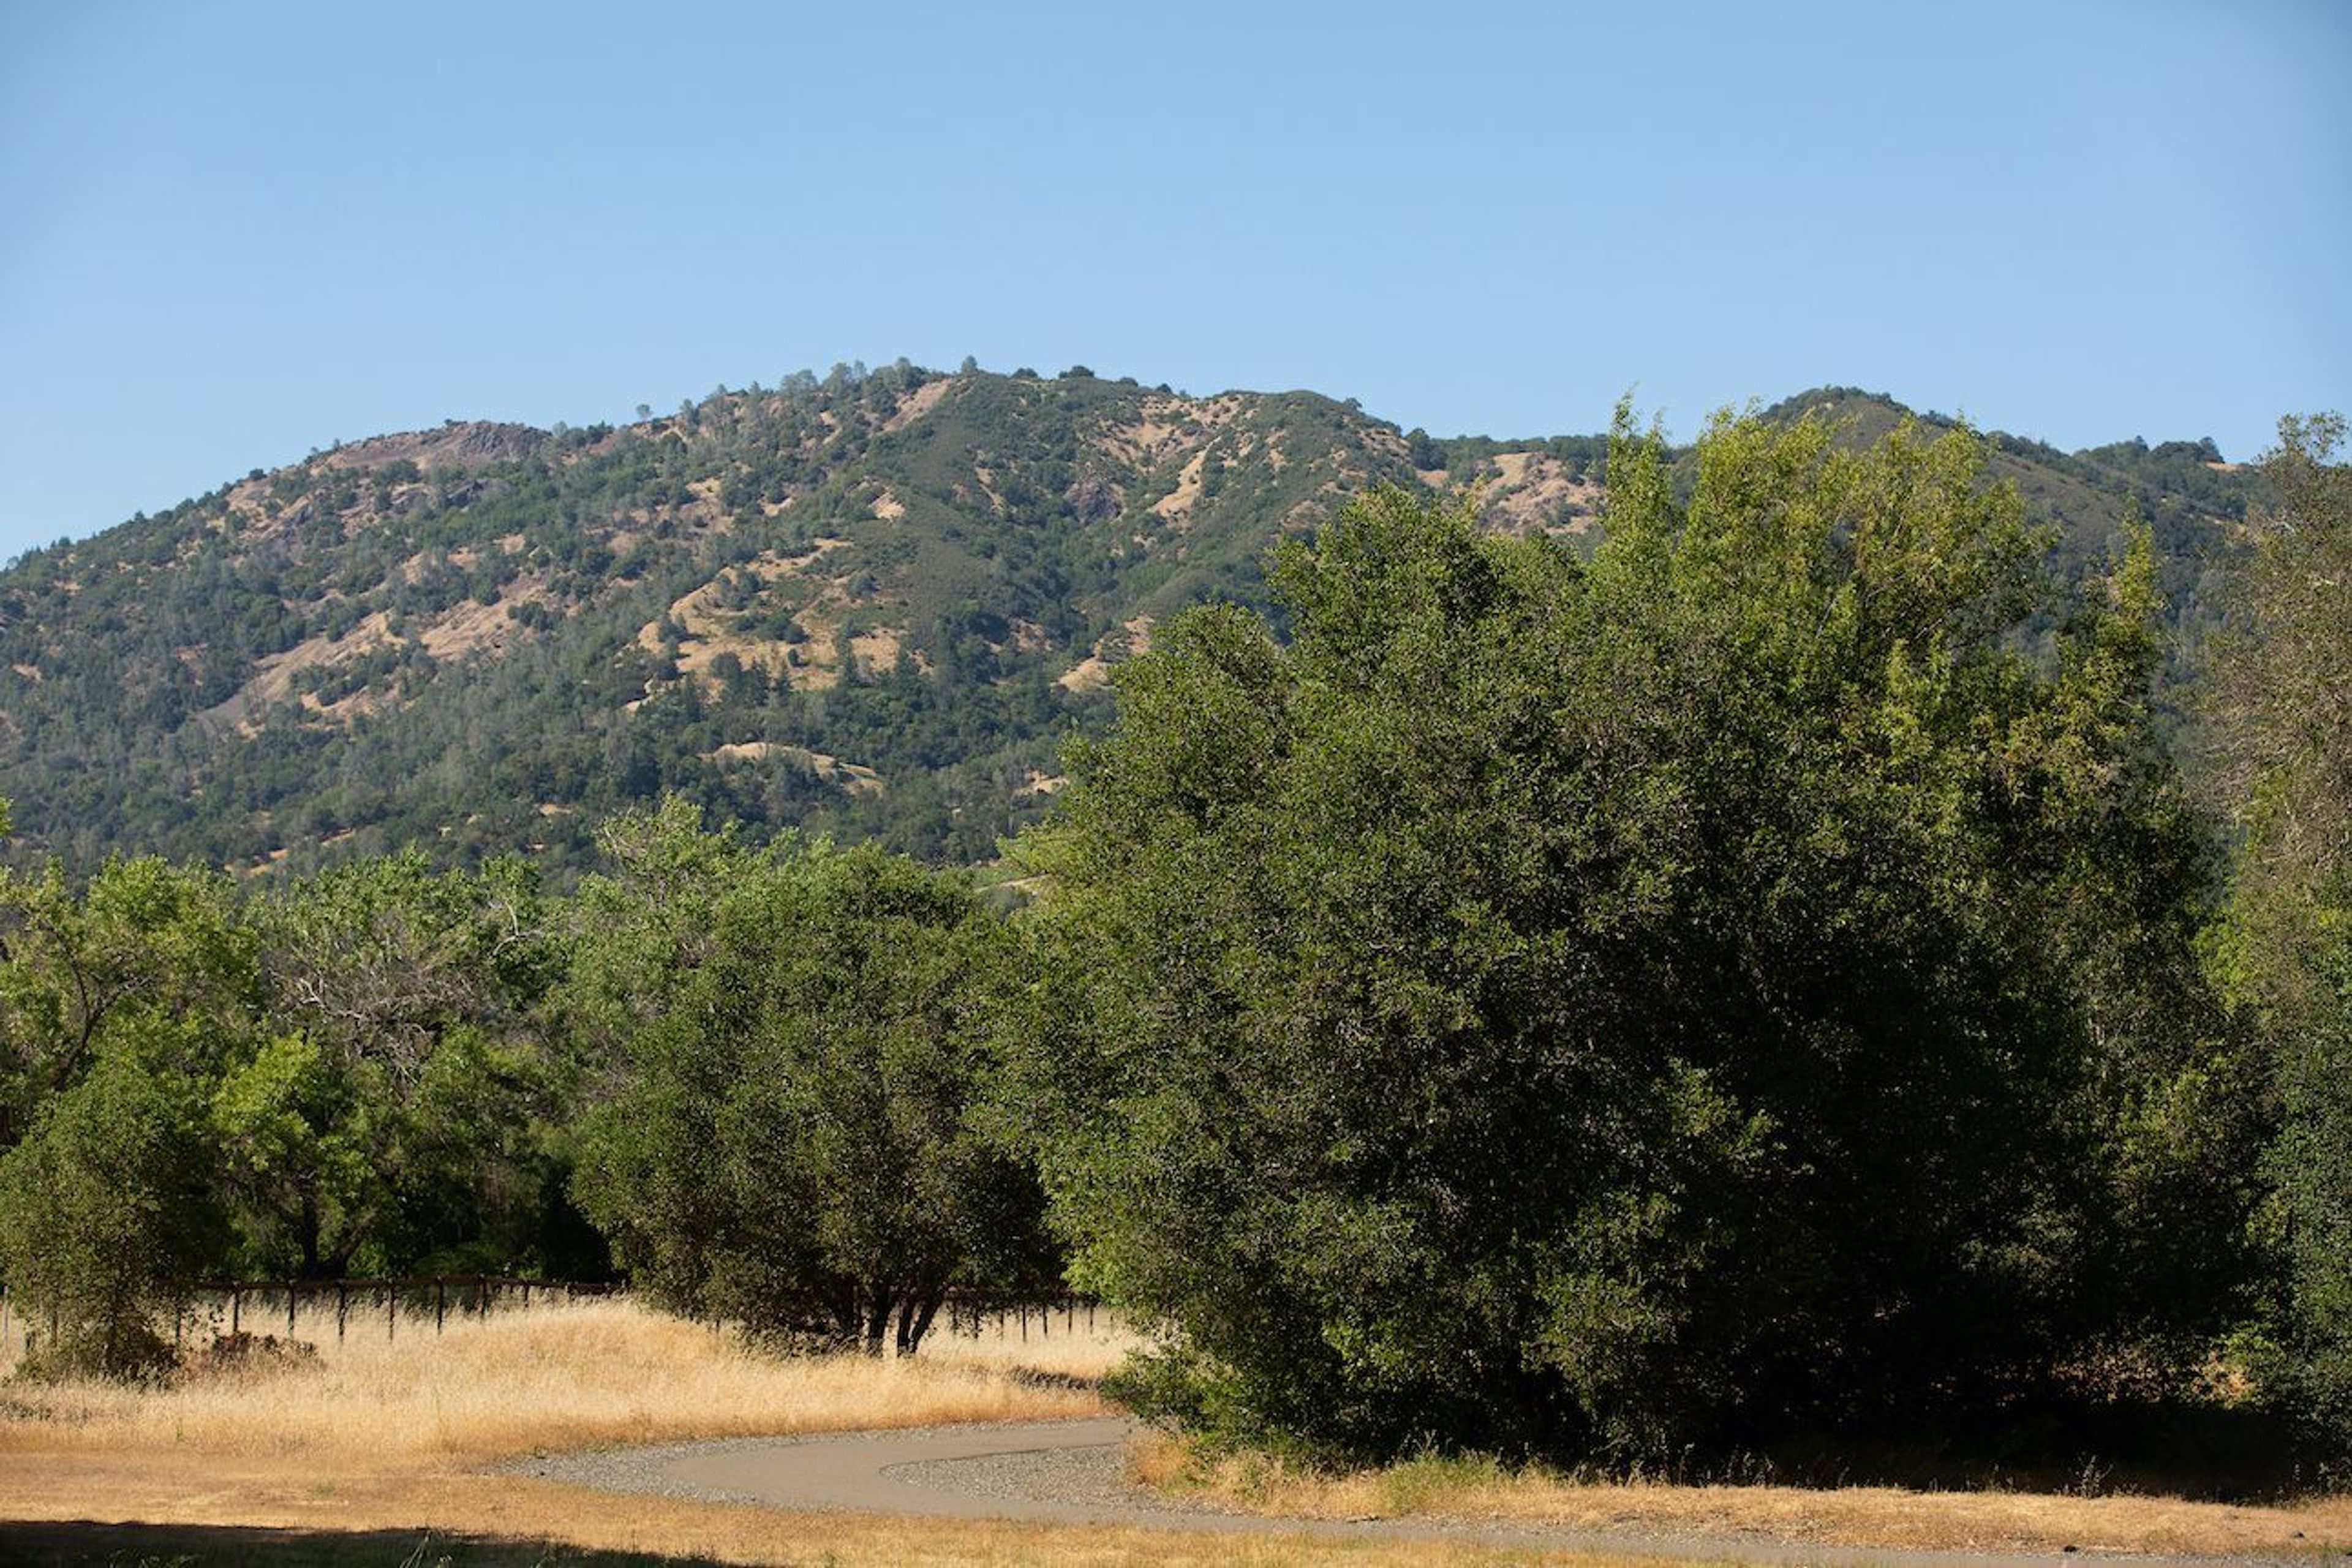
[1740,982]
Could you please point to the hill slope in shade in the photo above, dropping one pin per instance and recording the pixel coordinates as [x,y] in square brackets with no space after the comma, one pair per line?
[872,605]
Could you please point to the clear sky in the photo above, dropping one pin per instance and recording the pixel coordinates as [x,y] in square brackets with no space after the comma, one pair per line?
[233,233]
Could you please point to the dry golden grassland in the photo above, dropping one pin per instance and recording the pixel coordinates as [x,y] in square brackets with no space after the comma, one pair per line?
[372,1444]
[386,1441]
[553,1377]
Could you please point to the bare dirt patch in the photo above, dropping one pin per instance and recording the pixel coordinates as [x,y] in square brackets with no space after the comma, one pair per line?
[1175,507]
[915,405]
[1534,492]
[1110,649]
[711,629]
[272,681]
[878,649]
[470,625]
[854,778]
[475,444]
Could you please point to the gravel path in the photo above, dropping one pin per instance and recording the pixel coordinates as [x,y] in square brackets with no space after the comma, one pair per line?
[1074,1472]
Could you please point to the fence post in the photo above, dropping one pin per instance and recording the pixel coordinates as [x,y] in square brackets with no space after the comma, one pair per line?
[342,1307]
[391,1311]
[290,1309]
[440,1302]
[236,1309]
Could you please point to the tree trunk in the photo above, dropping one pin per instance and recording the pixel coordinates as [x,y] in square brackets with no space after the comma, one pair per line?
[910,1333]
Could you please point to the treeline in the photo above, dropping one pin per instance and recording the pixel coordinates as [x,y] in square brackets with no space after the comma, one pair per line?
[747,1077]
[1739,987]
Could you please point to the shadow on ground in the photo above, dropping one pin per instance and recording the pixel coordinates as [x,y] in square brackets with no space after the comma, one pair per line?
[76,1543]
[2202,1453]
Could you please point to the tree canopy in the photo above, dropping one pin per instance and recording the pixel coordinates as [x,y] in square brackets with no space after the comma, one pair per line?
[2282,710]
[1736,983]
[792,1140]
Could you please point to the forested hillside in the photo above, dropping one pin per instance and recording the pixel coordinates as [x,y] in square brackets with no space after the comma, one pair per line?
[875,604]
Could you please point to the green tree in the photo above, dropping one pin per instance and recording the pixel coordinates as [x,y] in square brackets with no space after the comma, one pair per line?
[393,1109]
[1678,1000]
[793,1140]
[144,941]
[2282,705]
[106,1216]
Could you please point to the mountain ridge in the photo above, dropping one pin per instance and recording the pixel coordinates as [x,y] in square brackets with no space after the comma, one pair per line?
[871,605]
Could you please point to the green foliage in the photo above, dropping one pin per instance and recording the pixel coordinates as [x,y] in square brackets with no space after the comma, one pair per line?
[2280,711]
[791,1141]
[146,947]
[356,1062]
[1681,999]
[387,1113]
[106,1216]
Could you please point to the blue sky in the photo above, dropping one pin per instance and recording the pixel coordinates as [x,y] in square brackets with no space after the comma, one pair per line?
[233,233]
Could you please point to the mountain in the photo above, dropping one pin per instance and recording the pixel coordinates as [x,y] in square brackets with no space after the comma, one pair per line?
[870,605]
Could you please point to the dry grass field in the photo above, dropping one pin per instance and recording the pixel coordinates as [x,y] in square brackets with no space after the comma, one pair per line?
[354,1456]
[597,1373]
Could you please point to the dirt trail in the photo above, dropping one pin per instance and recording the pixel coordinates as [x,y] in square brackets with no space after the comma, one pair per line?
[1073,1472]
